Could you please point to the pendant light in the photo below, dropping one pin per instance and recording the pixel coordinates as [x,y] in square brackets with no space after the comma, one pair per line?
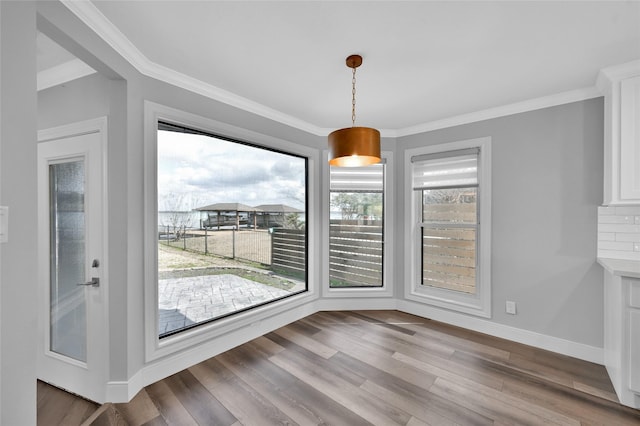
[354,146]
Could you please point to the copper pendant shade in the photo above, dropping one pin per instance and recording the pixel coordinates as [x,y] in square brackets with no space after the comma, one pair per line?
[354,146]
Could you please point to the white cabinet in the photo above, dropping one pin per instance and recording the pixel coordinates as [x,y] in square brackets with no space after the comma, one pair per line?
[634,333]
[622,328]
[621,88]
[634,350]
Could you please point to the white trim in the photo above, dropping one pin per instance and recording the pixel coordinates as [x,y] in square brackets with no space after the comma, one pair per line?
[168,346]
[389,220]
[99,341]
[526,337]
[94,125]
[480,303]
[124,391]
[63,73]
[607,76]
[95,20]
[504,110]
[351,304]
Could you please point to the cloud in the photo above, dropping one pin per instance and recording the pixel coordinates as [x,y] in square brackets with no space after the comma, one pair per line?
[210,170]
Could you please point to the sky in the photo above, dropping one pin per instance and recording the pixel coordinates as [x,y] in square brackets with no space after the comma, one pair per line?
[198,170]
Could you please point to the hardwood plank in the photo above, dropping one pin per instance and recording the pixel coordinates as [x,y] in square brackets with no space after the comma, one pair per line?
[156,421]
[266,346]
[169,405]
[246,404]
[106,415]
[587,408]
[417,422]
[321,363]
[306,342]
[79,411]
[363,368]
[432,410]
[430,331]
[413,399]
[140,410]
[201,405]
[495,407]
[380,358]
[451,371]
[58,407]
[364,316]
[295,398]
[355,399]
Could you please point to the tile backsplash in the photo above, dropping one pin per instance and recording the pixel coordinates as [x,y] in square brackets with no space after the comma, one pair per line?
[619,232]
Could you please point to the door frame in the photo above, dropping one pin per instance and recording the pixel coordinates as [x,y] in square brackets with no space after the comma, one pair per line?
[97,369]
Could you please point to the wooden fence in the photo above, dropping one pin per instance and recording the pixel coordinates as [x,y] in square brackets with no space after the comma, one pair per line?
[355,253]
[449,254]
[288,251]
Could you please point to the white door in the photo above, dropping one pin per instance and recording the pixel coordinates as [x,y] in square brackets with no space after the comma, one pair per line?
[71,241]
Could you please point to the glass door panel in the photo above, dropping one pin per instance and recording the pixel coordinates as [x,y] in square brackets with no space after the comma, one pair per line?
[68,311]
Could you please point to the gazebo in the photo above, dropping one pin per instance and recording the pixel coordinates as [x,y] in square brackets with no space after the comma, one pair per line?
[219,218]
[274,214]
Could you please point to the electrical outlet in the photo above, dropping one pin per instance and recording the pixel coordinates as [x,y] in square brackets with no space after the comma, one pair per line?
[511,307]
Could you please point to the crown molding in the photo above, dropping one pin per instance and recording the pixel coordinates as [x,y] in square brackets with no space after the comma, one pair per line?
[94,19]
[63,73]
[505,110]
[607,76]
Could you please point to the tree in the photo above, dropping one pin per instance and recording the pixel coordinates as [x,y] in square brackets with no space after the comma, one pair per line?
[177,214]
[292,221]
[354,205]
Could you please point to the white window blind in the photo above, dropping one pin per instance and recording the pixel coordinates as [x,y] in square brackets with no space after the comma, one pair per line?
[446,170]
[357,179]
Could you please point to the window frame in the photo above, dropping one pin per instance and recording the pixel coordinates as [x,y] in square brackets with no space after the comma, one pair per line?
[387,289]
[478,304]
[156,347]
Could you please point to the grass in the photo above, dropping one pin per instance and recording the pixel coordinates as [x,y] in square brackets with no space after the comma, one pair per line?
[178,263]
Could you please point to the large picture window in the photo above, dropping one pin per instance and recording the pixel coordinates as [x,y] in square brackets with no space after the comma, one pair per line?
[450,225]
[231,227]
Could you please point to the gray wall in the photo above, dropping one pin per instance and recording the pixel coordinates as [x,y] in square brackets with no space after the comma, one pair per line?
[18,257]
[91,97]
[547,172]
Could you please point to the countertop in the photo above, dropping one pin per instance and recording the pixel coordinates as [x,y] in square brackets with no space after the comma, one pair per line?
[623,268]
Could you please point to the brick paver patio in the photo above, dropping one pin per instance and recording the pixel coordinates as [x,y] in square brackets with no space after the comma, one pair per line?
[186,301]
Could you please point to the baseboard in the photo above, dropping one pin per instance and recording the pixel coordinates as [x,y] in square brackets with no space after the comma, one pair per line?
[526,337]
[350,304]
[124,391]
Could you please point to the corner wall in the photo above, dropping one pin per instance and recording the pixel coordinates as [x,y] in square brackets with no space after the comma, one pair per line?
[547,173]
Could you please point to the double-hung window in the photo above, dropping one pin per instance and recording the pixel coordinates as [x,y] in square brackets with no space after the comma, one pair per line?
[356,226]
[448,188]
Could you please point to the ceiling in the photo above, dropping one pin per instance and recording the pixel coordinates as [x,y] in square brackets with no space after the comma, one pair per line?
[424,61]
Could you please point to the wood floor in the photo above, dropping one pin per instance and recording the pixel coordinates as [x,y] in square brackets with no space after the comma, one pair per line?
[380,368]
